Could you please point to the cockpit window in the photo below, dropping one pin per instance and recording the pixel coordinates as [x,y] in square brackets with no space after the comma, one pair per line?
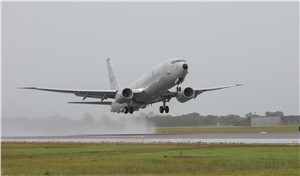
[174,61]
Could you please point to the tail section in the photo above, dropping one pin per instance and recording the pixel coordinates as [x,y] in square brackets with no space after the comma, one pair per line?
[114,85]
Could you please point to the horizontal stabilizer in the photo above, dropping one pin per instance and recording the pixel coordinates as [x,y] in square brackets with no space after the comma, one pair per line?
[92,102]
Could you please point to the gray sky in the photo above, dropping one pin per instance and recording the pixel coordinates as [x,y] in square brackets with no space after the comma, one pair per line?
[65,45]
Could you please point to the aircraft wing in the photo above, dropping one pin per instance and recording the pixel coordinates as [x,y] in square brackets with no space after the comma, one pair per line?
[102,94]
[170,94]
[199,91]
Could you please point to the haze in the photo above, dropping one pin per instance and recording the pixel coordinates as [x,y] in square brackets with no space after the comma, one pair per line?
[65,45]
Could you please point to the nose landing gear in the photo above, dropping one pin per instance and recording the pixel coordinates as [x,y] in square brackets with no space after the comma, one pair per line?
[164,108]
[178,89]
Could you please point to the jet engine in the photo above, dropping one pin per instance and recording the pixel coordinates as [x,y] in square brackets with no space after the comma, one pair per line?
[187,94]
[124,95]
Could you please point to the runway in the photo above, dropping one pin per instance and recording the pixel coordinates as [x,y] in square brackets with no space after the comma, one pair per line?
[247,138]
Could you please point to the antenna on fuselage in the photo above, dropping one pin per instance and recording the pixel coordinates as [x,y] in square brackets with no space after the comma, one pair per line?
[114,85]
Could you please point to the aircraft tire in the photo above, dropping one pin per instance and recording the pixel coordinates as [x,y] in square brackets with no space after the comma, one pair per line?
[167,109]
[131,110]
[126,110]
[161,109]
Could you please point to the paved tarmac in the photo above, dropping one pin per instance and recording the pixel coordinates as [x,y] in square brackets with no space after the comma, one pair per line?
[275,138]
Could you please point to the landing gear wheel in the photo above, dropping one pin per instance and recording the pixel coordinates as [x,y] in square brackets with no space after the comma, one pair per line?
[167,109]
[131,110]
[161,109]
[126,110]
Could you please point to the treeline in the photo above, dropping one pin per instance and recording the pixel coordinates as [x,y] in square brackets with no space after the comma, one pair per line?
[267,114]
[195,119]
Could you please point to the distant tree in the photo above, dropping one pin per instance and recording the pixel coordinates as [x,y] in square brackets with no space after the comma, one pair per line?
[274,114]
[279,113]
[195,119]
[249,115]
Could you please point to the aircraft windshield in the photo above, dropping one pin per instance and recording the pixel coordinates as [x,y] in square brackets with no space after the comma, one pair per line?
[174,61]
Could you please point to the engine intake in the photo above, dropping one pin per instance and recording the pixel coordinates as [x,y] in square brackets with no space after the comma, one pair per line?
[124,95]
[185,95]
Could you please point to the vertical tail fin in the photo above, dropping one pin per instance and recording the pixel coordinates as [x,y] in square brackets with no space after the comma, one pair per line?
[114,85]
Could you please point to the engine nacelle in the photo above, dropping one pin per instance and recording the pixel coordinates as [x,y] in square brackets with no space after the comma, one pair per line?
[124,95]
[187,94]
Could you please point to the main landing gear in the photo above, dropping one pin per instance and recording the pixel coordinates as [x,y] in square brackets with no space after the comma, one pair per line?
[128,109]
[164,108]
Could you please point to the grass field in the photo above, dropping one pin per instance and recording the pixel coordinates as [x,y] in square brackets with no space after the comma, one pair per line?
[227,129]
[149,159]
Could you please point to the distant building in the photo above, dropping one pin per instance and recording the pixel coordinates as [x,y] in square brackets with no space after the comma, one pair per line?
[265,121]
[273,121]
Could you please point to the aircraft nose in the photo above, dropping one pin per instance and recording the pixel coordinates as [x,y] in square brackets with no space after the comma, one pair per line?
[185,66]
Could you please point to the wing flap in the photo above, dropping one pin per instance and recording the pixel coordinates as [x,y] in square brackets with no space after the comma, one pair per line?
[92,102]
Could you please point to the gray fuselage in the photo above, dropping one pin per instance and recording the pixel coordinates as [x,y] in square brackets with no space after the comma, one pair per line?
[155,83]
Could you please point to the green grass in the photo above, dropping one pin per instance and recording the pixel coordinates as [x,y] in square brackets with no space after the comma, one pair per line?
[227,129]
[148,159]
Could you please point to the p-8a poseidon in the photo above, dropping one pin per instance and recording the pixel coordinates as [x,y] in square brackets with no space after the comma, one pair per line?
[152,87]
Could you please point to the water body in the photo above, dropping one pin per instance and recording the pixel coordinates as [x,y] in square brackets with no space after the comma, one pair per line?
[247,138]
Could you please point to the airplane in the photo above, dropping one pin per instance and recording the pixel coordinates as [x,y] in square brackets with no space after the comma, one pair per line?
[153,87]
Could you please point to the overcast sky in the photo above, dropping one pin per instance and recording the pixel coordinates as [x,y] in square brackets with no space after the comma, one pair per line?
[65,45]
